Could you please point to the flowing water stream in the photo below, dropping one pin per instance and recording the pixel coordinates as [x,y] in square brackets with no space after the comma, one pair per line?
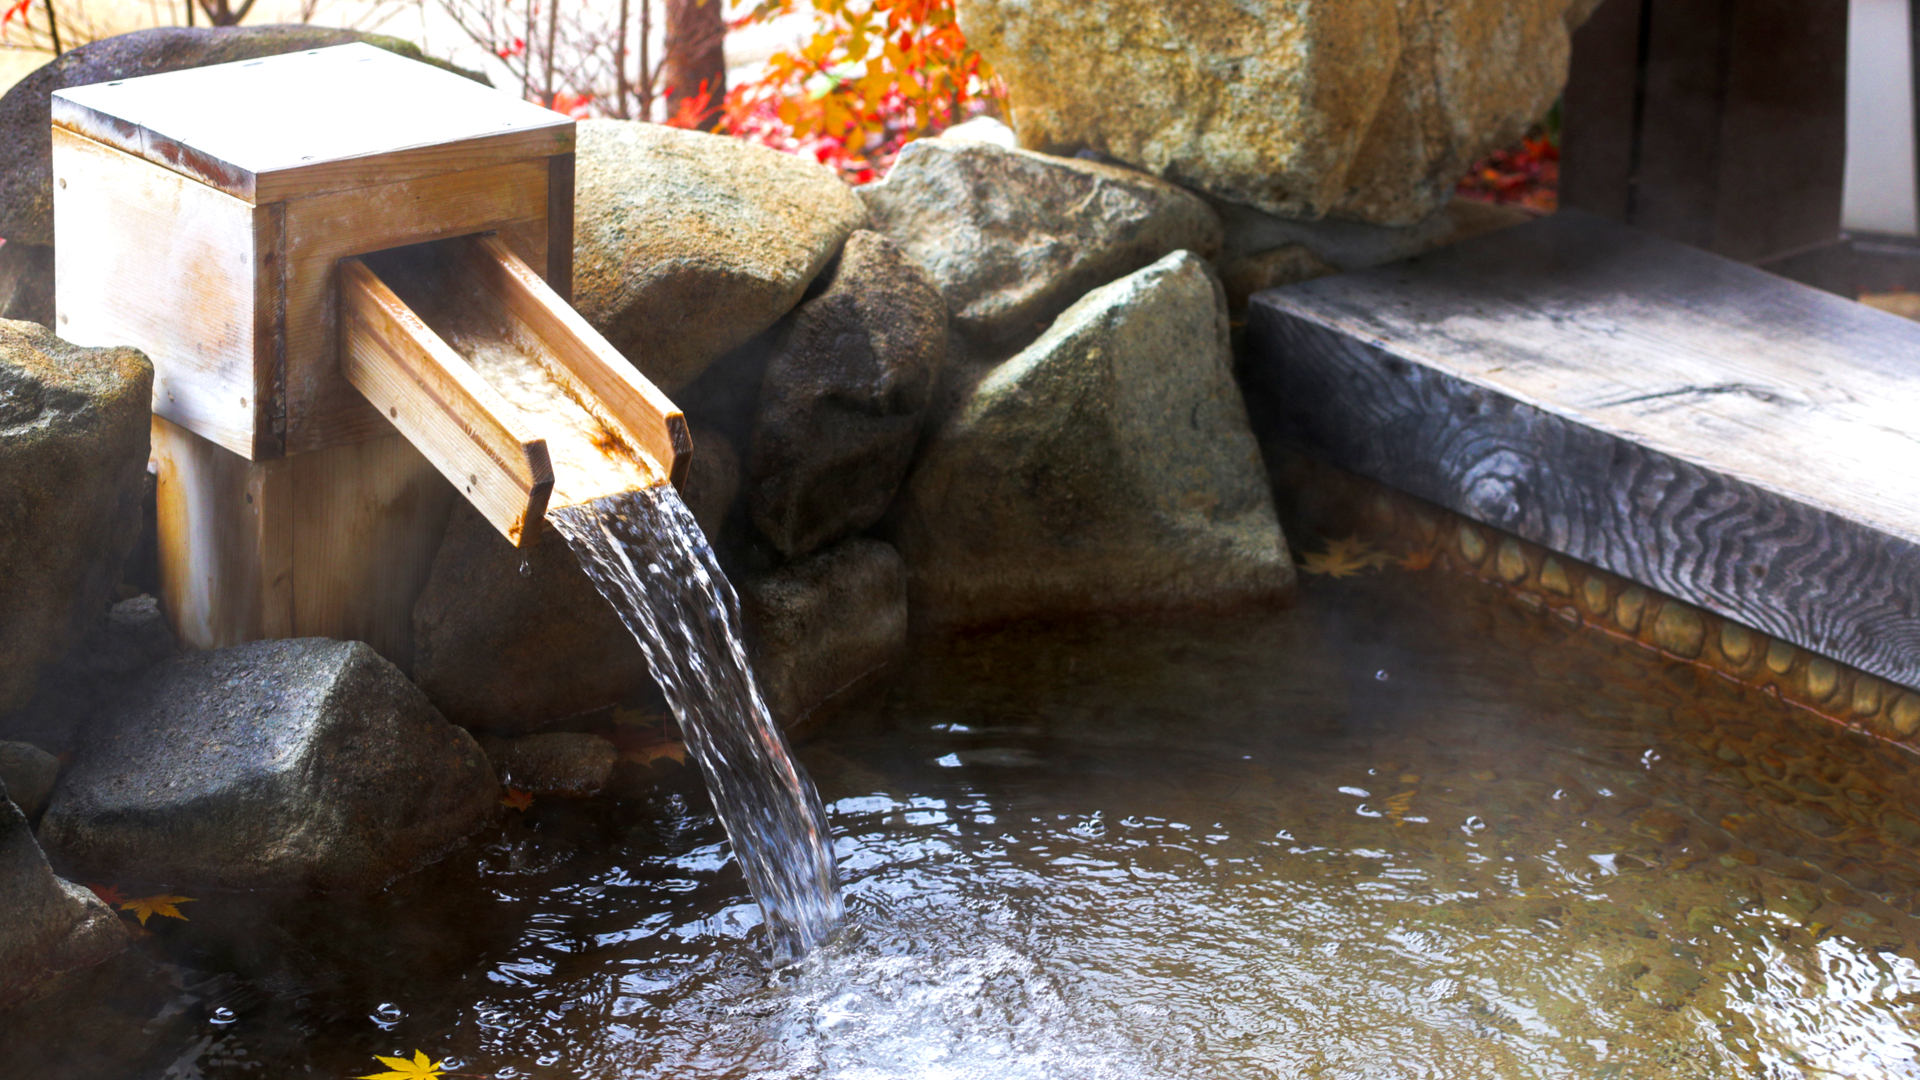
[646,555]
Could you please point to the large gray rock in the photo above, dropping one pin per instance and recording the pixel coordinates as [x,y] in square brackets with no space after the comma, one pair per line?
[26,282]
[1108,465]
[73,454]
[688,244]
[1364,109]
[510,639]
[818,626]
[48,927]
[26,168]
[843,397]
[1011,238]
[304,763]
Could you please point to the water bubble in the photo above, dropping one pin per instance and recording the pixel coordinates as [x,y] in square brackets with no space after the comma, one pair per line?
[1473,824]
[526,567]
[222,1016]
[1380,676]
[386,1016]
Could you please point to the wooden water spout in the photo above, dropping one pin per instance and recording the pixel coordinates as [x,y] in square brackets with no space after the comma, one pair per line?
[351,272]
[504,387]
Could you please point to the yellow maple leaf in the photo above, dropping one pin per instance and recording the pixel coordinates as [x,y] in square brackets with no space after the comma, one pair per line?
[420,1068]
[667,751]
[1344,558]
[1419,560]
[148,906]
[516,798]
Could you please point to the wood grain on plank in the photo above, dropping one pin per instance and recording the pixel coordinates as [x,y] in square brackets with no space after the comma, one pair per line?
[479,443]
[366,521]
[1741,442]
[151,259]
[224,531]
[301,124]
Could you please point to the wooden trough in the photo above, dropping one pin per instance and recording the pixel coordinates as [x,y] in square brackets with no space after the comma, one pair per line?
[1741,442]
[351,272]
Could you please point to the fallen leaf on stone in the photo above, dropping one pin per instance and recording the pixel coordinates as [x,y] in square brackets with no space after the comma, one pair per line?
[517,799]
[1344,558]
[420,1068]
[109,894]
[148,906]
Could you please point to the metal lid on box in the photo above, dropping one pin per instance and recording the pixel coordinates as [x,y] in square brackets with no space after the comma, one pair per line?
[304,123]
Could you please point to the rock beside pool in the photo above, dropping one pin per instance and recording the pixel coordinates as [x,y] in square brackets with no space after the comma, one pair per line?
[1107,466]
[819,626]
[843,397]
[510,639]
[688,244]
[295,764]
[1011,238]
[26,282]
[73,454]
[1362,109]
[552,762]
[26,170]
[48,926]
[28,774]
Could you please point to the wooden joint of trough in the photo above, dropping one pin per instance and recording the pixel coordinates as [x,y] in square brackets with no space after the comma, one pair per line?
[473,437]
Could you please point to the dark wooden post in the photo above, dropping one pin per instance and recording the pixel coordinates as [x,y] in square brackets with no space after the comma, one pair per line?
[1721,125]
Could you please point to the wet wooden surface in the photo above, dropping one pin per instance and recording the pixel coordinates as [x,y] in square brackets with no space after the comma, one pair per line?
[605,428]
[482,445]
[1746,444]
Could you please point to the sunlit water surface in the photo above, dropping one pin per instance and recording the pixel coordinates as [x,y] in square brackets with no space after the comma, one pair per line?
[1405,829]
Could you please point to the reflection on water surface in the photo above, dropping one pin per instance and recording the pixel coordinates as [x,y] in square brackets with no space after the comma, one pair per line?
[1406,829]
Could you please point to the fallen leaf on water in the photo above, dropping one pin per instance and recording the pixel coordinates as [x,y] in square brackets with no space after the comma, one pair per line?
[420,1068]
[109,894]
[1344,558]
[1396,807]
[1419,560]
[148,906]
[663,751]
[516,798]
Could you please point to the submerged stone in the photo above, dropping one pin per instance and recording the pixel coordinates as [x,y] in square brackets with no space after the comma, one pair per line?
[687,244]
[1012,238]
[843,397]
[304,763]
[1107,466]
[48,926]
[73,453]
[820,625]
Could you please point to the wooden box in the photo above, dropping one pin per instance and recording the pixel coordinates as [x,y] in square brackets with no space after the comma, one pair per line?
[201,216]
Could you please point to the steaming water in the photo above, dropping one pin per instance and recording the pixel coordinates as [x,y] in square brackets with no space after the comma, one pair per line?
[1405,829]
[646,555]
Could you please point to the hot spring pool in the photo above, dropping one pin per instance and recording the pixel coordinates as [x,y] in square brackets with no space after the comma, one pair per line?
[1408,828]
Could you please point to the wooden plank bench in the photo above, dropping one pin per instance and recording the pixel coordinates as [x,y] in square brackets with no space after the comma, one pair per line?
[1731,438]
